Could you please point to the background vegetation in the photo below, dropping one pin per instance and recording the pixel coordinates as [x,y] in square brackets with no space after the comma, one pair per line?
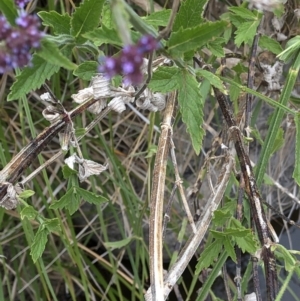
[89,240]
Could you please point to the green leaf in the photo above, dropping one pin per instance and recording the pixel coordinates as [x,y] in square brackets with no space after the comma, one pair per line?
[118,244]
[289,261]
[296,173]
[190,14]
[265,42]
[159,18]
[243,12]
[51,53]
[216,48]
[86,70]
[91,197]
[8,8]
[247,243]
[28,212]
[165,79]
[70,201]
[209,254]
[229,248]
[191,108]
[52,225]
[26,194]
[107,18]
[246,32]
[103,35]
[61,24]
[191,38]
[279,141]
[39,243]
[292,47]
[80,132]
[86,18]
[213,79]
[221,217]
[68,172]
[32,78]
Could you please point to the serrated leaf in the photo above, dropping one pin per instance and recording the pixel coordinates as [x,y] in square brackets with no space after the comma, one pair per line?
[52,225]
[70,201]
[191,108]
[51,53]
[91,197]
[289,261]
[68,172]
[246,32]
[296,172]
[229,248]
[86,18]
[221,217]
[190,14]
[209,254]
[213,79]
[191,38]
[159,18]
[216,48]
[26,194]
[28,212]
[61,24]
[39,243]
[165,79]
[243,12]
[86,70]
[103,35]
[8,8]
[117,244]
[270,44]
[32,78]
[247,243]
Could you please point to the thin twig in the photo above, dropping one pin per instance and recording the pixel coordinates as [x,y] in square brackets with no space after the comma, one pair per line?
[178,182]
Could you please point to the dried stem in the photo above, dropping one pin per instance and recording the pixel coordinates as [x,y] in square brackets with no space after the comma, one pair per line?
[202,225]
[156,205]
[251,189]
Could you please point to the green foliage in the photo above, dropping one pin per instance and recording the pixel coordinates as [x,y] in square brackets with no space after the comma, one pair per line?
[61,24]
[86,18]
[159,18]
[71,200]
[191,108]
[86,70]
[192,38]
[69,56]
[270,44]
[7,7]
[296,173]
[190,14]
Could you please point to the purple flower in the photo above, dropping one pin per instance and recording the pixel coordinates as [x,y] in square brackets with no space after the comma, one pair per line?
[147,44]
[21,3]
[130,61]
[18,41]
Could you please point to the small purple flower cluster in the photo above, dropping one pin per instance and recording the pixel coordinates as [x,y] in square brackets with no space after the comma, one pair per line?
[16,42]
[21,3]
[130,61]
